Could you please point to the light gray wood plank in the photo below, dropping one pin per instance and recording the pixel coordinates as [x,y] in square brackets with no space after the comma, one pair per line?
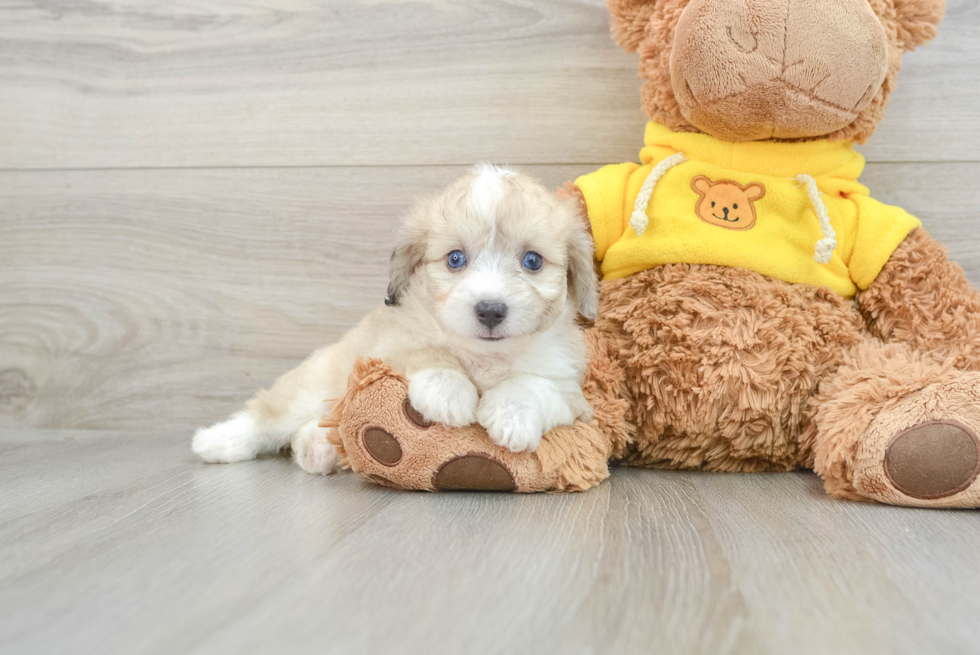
[163,299]
[127,544]
[276,83]
[935,111]
[884,592]
[180,556]
[618,570]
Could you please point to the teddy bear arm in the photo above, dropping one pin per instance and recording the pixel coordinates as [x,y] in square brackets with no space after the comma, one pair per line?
[383,438]
[923,299]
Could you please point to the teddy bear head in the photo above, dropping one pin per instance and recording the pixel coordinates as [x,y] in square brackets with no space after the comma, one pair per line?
[749,70]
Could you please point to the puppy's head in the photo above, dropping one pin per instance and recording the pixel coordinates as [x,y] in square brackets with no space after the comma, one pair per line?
[495,256]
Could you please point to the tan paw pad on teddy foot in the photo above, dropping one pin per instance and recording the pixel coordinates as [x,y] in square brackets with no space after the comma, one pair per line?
[470,472]
[384,439]
[925,451]
[933,460]
[422,456]
[473,472]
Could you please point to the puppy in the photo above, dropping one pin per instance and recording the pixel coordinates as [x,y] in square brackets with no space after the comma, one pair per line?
[487,279]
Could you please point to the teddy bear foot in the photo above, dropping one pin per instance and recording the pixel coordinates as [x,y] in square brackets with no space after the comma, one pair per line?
[933,460]
[925,451]
[384,439]
[472,471]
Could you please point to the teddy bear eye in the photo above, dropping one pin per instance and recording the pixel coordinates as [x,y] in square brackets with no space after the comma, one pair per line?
[712,203]
[735,206]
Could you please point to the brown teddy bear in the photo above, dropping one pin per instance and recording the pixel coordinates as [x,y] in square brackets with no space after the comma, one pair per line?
[760,311]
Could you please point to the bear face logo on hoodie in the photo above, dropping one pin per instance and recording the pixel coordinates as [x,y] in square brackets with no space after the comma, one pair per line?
[727,204]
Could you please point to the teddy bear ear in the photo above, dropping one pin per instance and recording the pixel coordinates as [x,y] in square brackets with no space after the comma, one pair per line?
[629,19]
[918,20]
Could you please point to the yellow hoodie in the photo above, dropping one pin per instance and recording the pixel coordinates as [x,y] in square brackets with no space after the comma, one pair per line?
[793,211]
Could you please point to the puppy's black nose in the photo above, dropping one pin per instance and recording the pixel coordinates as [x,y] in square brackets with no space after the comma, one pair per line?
[491,314]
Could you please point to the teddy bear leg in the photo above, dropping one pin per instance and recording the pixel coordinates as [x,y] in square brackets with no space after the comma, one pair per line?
[384,439]
[895,427]
[923,299]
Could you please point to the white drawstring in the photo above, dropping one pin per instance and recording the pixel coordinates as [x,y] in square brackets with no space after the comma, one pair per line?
[825,247]
[639,219]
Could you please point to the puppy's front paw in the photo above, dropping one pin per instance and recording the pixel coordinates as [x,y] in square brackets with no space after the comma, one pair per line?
[313,452]
[511,420]
[444,396]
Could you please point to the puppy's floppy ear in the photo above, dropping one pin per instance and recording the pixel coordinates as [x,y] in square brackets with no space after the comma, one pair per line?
[582,279]
[405,258]
[629,19]
[918,20]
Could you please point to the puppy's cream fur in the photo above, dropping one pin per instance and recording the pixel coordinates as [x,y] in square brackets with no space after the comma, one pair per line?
[518,379]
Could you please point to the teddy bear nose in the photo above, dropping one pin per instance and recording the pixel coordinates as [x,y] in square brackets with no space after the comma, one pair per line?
[787,69]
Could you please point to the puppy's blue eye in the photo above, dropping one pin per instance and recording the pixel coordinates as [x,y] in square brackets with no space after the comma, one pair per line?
[456,259]
[533,261]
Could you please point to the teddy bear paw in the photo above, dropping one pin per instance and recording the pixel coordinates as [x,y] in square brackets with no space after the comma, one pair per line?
[934,459]
[384,437]
[925,451]
[402,449]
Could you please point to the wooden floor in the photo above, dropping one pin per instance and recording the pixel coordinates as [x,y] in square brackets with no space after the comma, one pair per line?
[194,195]
[123,543]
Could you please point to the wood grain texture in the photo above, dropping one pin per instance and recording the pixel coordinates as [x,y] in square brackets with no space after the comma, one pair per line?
[164,299]
[277,83]
[302,83]
[194,195]
[117,543]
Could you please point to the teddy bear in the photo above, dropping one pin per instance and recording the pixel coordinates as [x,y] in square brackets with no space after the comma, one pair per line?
[759,309]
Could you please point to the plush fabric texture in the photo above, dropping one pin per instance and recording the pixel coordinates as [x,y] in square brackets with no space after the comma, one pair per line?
[710,357]
[732,371]
[923,299]
[790,70]
[738,204]
[413,455]
[722,363]
[831,94]
[878,392]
